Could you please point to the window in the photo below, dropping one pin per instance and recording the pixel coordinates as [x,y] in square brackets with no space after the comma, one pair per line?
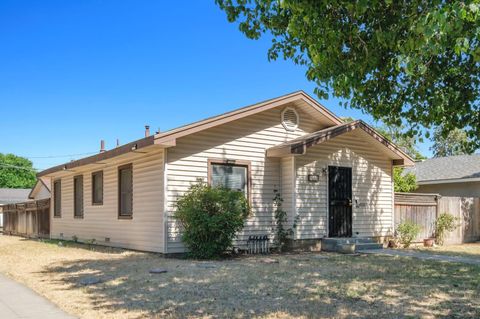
[57,198]
[230,174]
[78,196]
[97,188]
[125,191]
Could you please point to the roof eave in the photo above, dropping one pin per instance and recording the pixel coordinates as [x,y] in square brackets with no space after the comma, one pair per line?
[172,135]
[449,181]
[299,146]
[127,148]
[168,139]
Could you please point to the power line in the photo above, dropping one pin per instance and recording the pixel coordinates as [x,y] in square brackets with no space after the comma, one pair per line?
[20,167]
[59,156]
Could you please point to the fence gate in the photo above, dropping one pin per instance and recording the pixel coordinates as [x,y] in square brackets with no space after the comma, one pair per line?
[467,211]
[423,210]
[420,209]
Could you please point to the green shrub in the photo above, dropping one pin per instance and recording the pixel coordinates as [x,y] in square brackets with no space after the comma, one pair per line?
[404,183]
[407,232]
[282,234]
[444,223]
[210,216]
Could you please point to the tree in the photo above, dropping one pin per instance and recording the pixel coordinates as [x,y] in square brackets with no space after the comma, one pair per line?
[407,143]
[449,144]
[416,62]
[16,172]
[404,182]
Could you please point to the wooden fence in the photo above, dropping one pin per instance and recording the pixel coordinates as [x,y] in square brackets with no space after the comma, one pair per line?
[30,219]
[423,209]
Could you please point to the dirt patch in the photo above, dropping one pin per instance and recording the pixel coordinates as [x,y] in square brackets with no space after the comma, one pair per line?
[297,286]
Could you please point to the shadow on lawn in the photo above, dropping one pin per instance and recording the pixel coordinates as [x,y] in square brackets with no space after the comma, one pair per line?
[339,286]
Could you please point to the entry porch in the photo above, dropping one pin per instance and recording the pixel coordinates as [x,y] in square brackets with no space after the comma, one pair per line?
[338,183]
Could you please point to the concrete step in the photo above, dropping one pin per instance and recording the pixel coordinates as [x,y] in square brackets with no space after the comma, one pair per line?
[349,244]
[367,246]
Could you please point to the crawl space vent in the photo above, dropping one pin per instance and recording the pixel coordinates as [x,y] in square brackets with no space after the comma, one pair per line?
[290,119]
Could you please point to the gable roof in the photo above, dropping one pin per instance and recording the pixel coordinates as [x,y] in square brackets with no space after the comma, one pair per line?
[168,138]
[41,181]
[300,145]
[451,169]
[247,111]
[13,195]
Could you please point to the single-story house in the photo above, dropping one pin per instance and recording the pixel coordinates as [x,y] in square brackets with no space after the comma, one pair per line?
[11,196]
[449,176]
[335,177]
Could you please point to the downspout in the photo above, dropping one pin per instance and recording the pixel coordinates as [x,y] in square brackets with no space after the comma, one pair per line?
[392,168]
[294,198]
[165,201]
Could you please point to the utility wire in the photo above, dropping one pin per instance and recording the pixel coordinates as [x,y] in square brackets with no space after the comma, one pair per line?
[40,157]
[20,167]
[59,156]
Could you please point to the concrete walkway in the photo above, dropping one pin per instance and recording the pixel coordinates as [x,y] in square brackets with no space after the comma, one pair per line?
[18,301]
[424,256]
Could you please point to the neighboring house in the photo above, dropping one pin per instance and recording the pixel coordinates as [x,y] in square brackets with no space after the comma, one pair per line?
[13,195]
[10,196]
[41,190]
[335,178]
[449,176]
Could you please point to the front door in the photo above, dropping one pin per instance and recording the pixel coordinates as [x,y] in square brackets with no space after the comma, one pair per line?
[339,201]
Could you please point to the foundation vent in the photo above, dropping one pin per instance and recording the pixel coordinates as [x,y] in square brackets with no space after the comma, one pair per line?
[290,119]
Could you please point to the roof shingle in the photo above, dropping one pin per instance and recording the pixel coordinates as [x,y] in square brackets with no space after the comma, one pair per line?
[445,168]
[14,195]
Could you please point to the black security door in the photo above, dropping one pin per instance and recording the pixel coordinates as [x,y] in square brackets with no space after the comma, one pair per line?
[340,201]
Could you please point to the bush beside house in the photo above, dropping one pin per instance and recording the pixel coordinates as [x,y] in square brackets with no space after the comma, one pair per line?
[211,216]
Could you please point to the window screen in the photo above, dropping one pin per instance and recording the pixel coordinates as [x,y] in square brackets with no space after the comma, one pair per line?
[97,188]
[57,198]
[230,176]
[125,182]
[78,196]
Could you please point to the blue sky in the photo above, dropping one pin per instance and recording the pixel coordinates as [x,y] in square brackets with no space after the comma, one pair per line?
[75,72]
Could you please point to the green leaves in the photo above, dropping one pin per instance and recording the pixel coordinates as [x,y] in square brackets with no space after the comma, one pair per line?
[407,231]
[404,183]
[16,172]
[410,61]
[450,143]
[210,217]
[444,224]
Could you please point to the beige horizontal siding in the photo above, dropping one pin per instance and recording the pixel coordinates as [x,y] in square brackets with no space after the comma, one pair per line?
[143,232]
[244,139]
[371,187]
[288,188]
[465,189]
[43,193]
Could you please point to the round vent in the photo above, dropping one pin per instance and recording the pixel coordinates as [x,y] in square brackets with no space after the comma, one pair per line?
[290,119]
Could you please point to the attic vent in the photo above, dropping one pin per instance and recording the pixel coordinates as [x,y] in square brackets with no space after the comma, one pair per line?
[290,119]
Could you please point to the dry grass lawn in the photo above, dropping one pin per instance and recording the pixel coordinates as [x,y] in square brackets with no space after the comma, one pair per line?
[464,250]
[304,286]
